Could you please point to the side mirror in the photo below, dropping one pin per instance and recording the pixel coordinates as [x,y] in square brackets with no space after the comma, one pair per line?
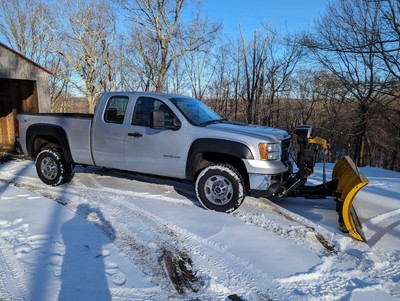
[157,119]
[176,124]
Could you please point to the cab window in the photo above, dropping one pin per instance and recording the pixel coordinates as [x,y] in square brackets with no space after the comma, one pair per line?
[115,110]
[144,108]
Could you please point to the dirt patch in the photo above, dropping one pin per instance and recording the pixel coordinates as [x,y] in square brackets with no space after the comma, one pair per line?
[321,239]
[285,215]
[5,157]
[328,246]
[234,297]
[179,268]
[10,156]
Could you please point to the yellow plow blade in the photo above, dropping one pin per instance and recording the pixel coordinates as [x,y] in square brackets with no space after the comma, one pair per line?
[350,182]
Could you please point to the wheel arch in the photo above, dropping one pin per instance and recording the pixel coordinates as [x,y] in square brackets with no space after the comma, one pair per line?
[205,152]
[39,135]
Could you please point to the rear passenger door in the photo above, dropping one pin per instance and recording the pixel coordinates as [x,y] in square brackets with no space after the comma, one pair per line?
[108,140]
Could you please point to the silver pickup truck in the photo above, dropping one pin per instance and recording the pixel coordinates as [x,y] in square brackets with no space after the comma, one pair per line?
[161,134]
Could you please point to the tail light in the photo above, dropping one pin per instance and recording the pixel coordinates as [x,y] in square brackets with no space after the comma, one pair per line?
[16,128]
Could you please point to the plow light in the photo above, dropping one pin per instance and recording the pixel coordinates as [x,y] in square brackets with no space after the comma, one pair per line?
[303,131]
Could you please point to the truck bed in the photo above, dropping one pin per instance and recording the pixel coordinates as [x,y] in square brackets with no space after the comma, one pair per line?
[74,115]
[77,127]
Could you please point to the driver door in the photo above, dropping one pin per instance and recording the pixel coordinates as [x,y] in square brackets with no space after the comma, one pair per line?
[155,151]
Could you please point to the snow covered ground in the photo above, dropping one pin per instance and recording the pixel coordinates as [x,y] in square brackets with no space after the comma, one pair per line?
[114,236]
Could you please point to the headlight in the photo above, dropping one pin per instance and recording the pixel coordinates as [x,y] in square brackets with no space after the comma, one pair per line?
[270,151]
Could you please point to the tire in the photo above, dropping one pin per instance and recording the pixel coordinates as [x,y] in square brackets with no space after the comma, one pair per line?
[220,188]
[52,168]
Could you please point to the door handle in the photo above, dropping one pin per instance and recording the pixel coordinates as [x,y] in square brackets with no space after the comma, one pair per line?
[135,134]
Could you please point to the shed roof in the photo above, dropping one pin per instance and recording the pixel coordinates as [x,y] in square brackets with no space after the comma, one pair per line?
[25,58]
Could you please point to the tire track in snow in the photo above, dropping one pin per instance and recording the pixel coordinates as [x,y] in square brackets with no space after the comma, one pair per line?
[122,294]
[325,281]
[148,235]
[337,276]
[12,286]
[214,256]
[353,266]
[284,223]
[241,279]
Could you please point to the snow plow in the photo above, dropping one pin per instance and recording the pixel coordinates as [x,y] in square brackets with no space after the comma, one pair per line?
[350,182]
[346,180]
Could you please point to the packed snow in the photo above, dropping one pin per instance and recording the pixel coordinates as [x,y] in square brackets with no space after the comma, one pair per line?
[109,235]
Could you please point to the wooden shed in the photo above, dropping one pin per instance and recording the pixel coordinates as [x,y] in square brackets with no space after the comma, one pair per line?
[23,89]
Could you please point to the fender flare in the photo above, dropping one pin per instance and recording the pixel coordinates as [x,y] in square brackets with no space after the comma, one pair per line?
[51,133]
[217,146]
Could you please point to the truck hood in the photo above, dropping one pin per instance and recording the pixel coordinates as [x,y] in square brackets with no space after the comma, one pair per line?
[267,134]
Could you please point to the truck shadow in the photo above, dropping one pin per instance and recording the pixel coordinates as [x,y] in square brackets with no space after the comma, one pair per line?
[132,181]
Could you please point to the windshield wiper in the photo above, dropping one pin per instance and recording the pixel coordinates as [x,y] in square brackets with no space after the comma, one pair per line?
[213,121]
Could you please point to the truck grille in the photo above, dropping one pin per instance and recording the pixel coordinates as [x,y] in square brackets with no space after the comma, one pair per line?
[285,158]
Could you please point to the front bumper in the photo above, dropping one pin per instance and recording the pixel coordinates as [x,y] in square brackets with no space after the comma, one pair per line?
[265,167]
[264,175]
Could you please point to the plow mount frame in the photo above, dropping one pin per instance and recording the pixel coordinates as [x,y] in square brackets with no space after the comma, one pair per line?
[346,181]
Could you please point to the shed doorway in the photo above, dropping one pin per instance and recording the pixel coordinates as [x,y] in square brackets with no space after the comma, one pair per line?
[16,96]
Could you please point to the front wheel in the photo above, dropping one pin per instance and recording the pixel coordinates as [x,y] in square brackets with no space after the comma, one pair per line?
[220,187]
[51,167]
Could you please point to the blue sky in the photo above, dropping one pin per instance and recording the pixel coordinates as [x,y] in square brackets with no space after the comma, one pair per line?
[296,15]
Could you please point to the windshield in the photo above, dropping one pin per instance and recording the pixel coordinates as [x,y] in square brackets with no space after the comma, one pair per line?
[196,111]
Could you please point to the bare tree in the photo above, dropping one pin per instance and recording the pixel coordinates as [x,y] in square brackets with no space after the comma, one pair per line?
[83,35]
[219,87]
[348,27]
[283,58]
[200,68]
[224,88]
[25,27]
[303,97]
[160,36]
[22,27]
[254,55]
[268,64]
[390,125]
[177,81]
[59,83]
[389,48]
[388,42]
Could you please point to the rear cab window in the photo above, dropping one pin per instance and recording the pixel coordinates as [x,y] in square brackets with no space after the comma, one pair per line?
[116,109]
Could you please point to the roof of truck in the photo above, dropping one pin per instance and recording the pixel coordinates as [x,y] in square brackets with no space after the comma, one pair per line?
[165,95]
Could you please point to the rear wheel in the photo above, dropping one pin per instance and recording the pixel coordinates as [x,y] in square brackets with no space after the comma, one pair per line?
[52,168]
[220,187]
